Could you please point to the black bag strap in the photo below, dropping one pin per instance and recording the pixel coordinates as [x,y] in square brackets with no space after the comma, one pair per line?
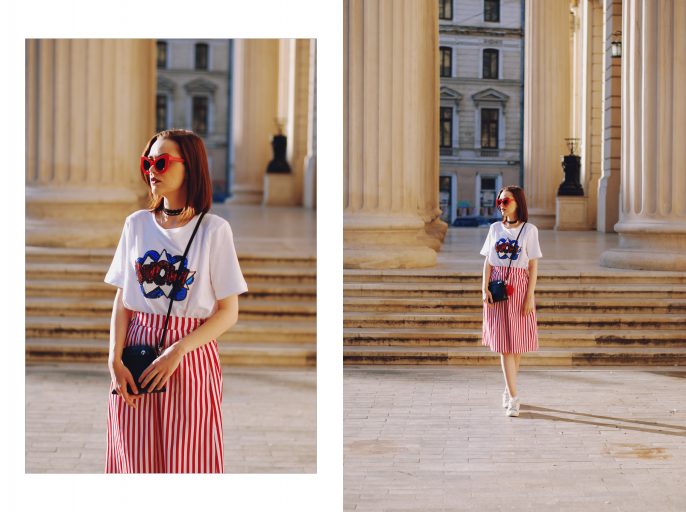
[516,246]
[171,300]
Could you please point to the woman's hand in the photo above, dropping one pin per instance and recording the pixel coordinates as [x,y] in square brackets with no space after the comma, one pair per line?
[158,373]
[528,304]
[487,297]
[121,376]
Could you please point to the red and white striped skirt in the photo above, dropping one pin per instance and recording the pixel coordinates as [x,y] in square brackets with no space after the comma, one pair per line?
[180,430]
[505,328]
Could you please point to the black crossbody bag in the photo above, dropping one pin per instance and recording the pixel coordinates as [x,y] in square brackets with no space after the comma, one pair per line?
[138,357]
[498,288]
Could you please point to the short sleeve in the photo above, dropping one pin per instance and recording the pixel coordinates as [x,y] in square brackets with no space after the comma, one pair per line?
[116,273]
[487,244]
[225,272]
[533,248]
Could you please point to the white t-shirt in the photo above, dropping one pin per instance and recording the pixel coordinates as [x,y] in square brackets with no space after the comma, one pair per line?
[500,245]
[149,257]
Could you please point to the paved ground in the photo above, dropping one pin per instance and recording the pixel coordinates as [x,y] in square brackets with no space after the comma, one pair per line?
[269,419]
[437,438]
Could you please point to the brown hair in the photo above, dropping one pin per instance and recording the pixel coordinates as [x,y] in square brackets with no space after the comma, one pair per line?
[522,211]
[198,183]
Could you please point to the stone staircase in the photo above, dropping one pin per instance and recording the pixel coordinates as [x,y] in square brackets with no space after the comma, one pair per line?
[433,316]
[68,309]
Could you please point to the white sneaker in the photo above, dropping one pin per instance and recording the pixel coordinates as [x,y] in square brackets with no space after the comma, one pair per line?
[506,398]
[513,407]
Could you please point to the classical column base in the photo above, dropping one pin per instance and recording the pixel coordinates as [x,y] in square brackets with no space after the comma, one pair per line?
[386,241]
[571,213]
[279,189]
[78,216]
[434,233]
[542,219]
[243,194]
[648,246]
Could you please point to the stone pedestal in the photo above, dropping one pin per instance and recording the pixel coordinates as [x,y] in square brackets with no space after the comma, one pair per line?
[652,218]
[279,190]
[546,104]
[391,162]
[89,114]
[571,213]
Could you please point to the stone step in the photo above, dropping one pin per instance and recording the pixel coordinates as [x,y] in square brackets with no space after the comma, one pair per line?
[96,307]
[545,304]
[96,272]
[64,255]
[453,290]
[551,320]
[230,353]
[362,338]
[429,275]
[91,289]
[549,356]
[245,331]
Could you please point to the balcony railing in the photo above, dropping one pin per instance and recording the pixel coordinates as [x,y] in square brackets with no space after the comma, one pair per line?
[510,153]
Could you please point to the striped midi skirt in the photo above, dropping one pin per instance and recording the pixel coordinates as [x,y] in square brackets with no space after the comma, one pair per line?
[505,328]
[180,430]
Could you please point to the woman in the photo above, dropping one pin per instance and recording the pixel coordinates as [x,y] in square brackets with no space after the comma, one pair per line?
[509,326]
[178,430]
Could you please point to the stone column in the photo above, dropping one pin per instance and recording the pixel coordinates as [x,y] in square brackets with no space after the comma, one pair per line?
[546,105]
[89,114]
[608,185]
[310,170]
[255,80]
[391,134]
[652,217]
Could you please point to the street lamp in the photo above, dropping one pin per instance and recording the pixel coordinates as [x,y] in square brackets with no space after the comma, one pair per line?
[616,44]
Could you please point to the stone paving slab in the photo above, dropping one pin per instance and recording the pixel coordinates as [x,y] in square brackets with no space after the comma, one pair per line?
[269,419]
[437,438]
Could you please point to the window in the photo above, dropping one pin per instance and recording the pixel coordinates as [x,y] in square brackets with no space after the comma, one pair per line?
[492,10]
[490,64]
[445,9]
[446,61]
[161,55]
[489,128]
[200,112]
[161,112]
[487,192]
[446,127]
[201,56]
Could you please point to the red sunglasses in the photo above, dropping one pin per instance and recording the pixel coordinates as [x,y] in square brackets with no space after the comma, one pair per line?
[503,202]
[161,163]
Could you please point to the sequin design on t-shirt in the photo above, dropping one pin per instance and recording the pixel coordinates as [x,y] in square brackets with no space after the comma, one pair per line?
[158,272]
[507,248]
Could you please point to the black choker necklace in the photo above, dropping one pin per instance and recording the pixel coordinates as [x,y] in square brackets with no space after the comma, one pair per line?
[172,213]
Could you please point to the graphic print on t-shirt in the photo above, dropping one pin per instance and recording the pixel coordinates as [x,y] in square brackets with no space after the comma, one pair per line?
[157,273]
[506,247]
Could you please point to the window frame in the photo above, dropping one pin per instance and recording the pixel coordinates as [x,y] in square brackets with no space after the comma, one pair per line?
[449,51]
[166,54]
[497,110]
[441,134]
[494,11]
[208,100]
[197,47]
[446,5]
[492,52]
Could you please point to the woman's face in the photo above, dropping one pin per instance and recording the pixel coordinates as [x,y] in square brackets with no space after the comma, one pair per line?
[508,207]
[174,178]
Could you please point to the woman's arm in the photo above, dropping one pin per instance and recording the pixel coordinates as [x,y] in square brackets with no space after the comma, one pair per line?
[119,324]
[485,294]
[528,305]
[163,367]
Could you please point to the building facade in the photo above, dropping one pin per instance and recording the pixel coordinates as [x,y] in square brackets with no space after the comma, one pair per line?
[626,113]
[481,91]
[193,93]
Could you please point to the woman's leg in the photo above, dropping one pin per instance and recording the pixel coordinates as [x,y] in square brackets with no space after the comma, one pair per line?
[507,362]
[518,358]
